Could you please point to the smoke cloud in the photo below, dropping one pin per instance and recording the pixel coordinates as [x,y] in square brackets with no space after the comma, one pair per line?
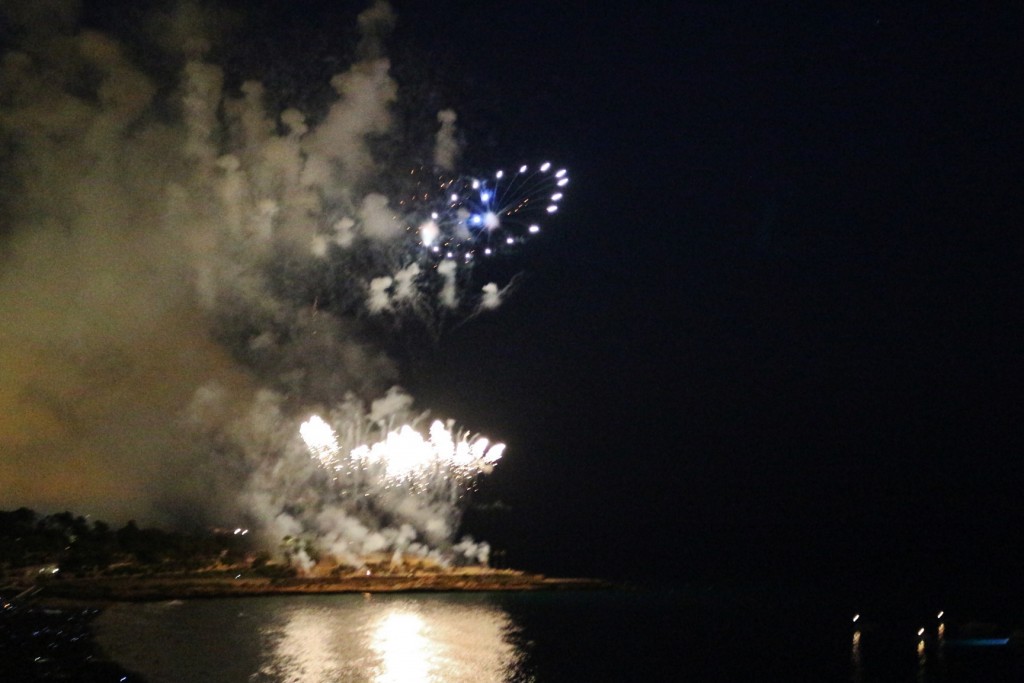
[186,275]
[446,148]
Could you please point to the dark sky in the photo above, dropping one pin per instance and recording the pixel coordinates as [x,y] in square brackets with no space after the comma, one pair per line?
[774,332]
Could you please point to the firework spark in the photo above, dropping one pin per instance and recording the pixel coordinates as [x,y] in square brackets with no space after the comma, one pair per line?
[404,457]
[452,223]
[467,217]
[320,439]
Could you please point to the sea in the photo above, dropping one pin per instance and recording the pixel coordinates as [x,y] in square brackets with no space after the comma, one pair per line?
[626,634]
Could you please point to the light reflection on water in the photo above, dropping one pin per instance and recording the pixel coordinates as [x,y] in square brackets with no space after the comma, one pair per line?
[379,639]
[405,652]
[855,658]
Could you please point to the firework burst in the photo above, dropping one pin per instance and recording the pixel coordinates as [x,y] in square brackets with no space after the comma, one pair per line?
[463,218]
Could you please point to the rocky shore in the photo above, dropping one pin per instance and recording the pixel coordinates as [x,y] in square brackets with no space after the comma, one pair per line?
[134,589]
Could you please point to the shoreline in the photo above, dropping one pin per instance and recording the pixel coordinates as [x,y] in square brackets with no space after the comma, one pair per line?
[81,591]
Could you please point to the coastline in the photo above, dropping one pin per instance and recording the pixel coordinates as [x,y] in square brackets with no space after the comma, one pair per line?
[100,590]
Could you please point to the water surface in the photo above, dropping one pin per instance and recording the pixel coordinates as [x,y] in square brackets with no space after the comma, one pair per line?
[614,635]
[380,638]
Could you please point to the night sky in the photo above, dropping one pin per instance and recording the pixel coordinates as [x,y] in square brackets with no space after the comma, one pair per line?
[773,334]
[776,333]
